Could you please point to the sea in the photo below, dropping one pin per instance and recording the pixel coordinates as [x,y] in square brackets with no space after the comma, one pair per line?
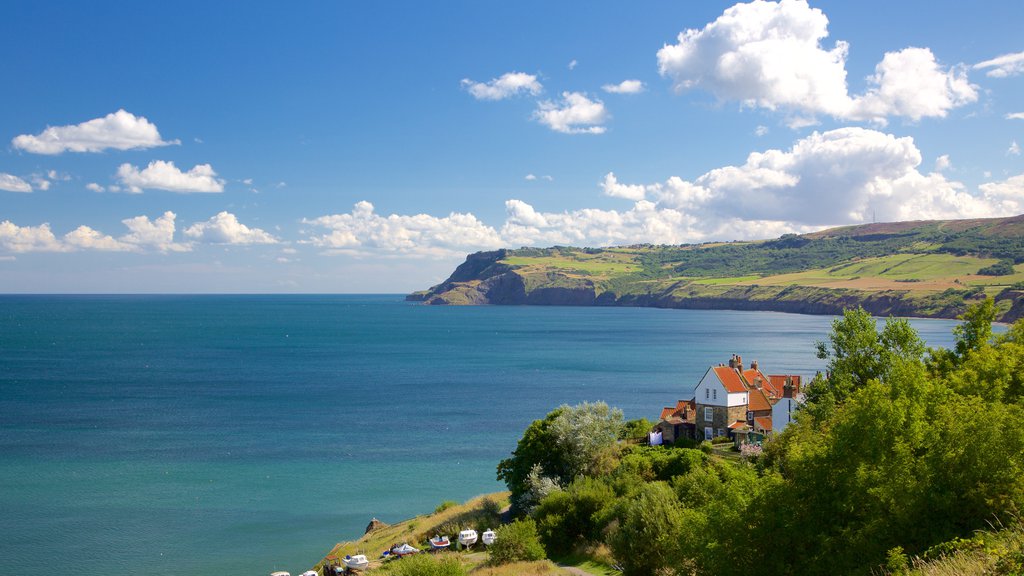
[208,435]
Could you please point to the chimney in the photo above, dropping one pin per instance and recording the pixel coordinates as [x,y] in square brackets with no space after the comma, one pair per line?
[787,390]
[753,365]
[739,363]
[732,362]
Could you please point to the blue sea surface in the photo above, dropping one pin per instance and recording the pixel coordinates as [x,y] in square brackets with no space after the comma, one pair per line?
[244,434]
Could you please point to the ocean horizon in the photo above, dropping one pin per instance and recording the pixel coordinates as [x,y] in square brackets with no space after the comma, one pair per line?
[196,434]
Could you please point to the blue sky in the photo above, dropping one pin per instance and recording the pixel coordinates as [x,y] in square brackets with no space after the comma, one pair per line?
[367,147]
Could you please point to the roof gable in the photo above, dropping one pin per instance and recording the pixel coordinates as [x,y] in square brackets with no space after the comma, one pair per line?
[730,379]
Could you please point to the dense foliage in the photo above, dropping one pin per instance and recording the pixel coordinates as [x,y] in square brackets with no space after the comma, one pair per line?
[899,450]
[517,542]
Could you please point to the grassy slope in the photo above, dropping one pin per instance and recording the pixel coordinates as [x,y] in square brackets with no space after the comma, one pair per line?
[417,531]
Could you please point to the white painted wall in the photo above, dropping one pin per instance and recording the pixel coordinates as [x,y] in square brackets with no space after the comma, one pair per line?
[710,391]
[738,398]
[782,412]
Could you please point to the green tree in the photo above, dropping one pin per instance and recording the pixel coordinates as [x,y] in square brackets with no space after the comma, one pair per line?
[516,542]
[536,448]
[975,332]
[645,539]
[573,517]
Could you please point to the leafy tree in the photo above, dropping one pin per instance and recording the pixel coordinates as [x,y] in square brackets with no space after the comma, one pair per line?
[536,448]
[976,330]
[517,542]
[645,539]
[585,433]
[572,517]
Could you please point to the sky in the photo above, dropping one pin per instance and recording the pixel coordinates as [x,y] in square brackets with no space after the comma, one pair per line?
[367,147]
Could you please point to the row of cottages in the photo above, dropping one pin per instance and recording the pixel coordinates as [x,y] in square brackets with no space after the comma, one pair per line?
[743,404]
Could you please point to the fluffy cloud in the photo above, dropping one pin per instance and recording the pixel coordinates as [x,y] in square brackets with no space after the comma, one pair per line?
[1014,149]
[163,175]
[12,183]
[1003,66]
[574,114]
[942,163]
[363,231]
[1007,196]
[85,238]
[508,85]
[224,228]
[770,55]
[845,176]
[612,187]
[19,239]
[119,130]
[1015,116]
[156,234]
[624,87]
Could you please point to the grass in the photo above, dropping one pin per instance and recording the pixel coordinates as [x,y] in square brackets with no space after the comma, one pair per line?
[417,531]
[601,264]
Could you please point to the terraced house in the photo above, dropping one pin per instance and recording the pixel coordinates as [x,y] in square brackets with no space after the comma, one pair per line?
[732,401]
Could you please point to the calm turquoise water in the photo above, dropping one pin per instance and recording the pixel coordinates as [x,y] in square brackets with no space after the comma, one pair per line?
[241,434]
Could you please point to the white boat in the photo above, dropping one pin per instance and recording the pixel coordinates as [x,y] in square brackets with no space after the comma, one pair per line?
[357,562]
[280,574]
[440,542]
[488,537]
[310,573]
[467,537]
[403,550]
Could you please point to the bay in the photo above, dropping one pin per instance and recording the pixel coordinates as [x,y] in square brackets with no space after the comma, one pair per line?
[244,434]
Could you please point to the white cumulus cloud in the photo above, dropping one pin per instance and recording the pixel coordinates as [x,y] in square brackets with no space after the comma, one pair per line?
[12,183]
[770,55]
[612,187]
[86,238]
[574,114]
[1015,116]
[163,175]
[624,87]
[362,231]
[224,228]
[1003,66]
[18,239]
[1014,149]
[943,163]
[119,130]
[507,85]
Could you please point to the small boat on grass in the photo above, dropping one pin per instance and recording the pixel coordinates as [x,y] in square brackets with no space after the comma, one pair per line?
[310,573]
[403,550]
[488,537]
[357,562]
[440,542]
[280,574]
[467,537]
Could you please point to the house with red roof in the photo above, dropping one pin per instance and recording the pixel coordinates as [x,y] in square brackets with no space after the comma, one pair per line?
[729,401]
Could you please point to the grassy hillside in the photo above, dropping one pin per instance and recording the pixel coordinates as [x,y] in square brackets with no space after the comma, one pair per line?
[926,268]
[479,513]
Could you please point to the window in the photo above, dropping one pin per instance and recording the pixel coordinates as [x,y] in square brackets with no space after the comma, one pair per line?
[721,432]
[708,434]
[707,393]
[709,414]
[714,394]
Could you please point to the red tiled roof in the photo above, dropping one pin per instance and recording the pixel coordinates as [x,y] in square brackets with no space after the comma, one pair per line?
[764,423]
[737,424]
[730,379]
[667,412]
[758,401]
[778,383]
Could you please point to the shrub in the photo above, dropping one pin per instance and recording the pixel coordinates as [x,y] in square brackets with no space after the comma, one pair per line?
[567,518]
[1001,268]
[517,542]
[426,565]
[721,440]
[445,505]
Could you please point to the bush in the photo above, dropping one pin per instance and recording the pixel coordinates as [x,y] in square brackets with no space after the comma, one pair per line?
[426,565]
[517,542]
[721,440]
[445,505]
[567,518]
[1001,268]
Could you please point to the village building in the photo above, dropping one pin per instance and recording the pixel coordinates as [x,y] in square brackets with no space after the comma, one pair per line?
[742,404]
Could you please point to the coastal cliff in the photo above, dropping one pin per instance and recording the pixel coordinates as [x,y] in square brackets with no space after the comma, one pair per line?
[926,269]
